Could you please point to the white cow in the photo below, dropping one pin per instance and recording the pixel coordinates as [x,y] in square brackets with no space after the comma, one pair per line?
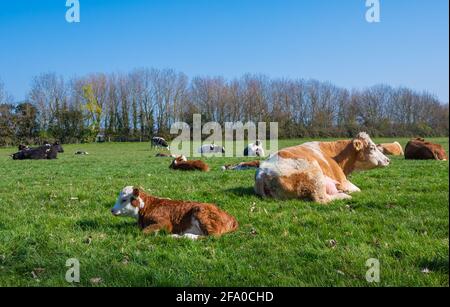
[255,150]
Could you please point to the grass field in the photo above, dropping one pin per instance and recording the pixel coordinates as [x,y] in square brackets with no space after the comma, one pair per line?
[51,211]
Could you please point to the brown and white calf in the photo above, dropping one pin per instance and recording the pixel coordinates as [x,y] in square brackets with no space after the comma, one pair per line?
[182,164]
[318,170]
[391,149]
[180,218]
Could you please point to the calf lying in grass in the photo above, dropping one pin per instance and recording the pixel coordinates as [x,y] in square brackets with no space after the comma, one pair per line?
[242,166]
[180,218]
[182,164]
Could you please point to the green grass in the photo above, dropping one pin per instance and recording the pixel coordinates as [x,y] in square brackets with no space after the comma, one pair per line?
[50,209]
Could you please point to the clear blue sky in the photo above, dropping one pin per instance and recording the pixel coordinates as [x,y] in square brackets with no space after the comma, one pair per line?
[329,40]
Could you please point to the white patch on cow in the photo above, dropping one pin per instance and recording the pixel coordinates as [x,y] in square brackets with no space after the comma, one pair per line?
[279,167]
[123,206]
[194,228]
[141,203]
[315,147]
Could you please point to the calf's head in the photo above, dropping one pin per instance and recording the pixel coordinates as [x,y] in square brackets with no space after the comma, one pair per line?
[128,203]
[178,160]
[369,155]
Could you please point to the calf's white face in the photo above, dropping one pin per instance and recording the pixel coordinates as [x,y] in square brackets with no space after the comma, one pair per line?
[123,205]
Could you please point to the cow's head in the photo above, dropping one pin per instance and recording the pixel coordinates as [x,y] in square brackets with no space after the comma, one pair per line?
[178,160]
[369,155]
[128,203]
[58,147]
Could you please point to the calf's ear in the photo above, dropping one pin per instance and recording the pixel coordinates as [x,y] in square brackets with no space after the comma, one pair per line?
[358,145]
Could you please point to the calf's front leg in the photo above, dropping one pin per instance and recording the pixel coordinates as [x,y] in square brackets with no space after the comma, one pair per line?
[154,228]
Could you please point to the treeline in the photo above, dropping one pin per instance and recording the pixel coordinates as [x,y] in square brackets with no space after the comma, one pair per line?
[146,102]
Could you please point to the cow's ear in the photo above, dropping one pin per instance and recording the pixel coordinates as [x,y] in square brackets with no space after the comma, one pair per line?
[136,192]
[358,145]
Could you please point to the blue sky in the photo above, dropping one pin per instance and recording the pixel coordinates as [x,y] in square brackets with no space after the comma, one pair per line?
[327,40]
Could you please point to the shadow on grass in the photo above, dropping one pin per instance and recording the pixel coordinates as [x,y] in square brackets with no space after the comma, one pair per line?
[242,191]
[91,225]
[88,225]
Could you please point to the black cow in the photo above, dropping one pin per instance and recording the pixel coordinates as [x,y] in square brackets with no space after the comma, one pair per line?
[49,152]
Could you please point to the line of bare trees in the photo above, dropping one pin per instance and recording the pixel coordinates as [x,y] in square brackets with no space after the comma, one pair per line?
[146,102]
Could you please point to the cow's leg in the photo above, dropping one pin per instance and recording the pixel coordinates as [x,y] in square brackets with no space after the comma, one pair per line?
[349,187]
[154,228]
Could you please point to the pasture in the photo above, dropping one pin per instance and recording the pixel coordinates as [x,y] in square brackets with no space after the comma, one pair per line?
[51,211]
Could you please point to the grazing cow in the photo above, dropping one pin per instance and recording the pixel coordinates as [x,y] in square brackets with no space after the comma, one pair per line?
[160,142]
[49,152]
[211,149]
[242,166]
[254,150]
[81,153]
[419,149]
[318,170]
[180,218]
[391,149]
[182,164]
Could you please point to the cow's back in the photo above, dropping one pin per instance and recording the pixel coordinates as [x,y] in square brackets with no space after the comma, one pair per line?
[313,152]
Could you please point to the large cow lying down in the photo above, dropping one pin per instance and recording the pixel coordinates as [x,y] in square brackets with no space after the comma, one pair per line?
[391,149]
[49,152]
[318,171]
[180,218]
[419,149]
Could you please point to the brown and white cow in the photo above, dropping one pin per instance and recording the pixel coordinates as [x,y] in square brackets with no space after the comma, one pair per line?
[318,170]
[419,149]
[180,218]
[181,163]
[391,149]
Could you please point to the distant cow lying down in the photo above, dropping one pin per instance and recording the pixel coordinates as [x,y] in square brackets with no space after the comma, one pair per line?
[419,149]
[182,164]
[211,149]
[318,170]
[47,151]
[391,149]
[242,166]
[180,218]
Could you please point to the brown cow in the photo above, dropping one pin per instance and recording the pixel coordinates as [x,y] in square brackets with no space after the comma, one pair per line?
[419,149]
[182,164]
[391,149]
[180,218]
[318,170]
